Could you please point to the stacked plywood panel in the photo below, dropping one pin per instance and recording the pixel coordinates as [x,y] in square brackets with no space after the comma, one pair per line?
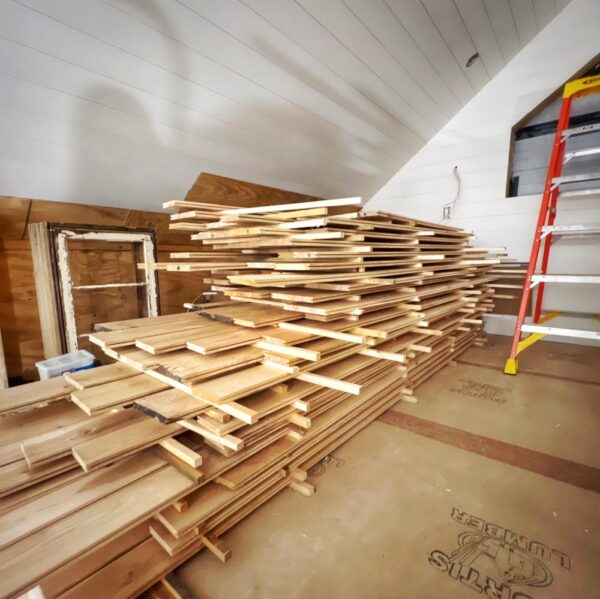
[111,477]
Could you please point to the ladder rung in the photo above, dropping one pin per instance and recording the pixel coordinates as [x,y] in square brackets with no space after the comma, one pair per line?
[571,229]
[575,178]
[581,130]
[536,328]
[577,153]
[563,312]
[535,279]
[580,192]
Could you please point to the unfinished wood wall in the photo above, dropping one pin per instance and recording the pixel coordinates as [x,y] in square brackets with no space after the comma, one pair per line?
[19,320]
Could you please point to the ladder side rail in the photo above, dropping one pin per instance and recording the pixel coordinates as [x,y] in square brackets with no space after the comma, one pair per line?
[555,164]
[548,240]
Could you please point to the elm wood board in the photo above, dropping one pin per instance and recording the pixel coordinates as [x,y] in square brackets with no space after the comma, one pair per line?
[61,579]
[57,443]
[17,475]
[186,365]
[129,335]
[104,397]
[238,384]
[170,405]
[16,427]
[55,505]
[38,554]
[171,544]
[27,396]
[236,338]
[98,376]
[123,441]
[202,504]
[117,325]
[25,495]
[136,570]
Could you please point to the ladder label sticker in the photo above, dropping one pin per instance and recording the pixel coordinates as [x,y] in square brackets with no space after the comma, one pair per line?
[497,562]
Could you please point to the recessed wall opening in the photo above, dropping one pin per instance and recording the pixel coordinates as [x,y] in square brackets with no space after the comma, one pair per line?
[533,135]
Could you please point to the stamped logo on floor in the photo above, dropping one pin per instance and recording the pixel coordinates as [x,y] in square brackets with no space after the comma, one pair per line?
[496,561]
[470,388]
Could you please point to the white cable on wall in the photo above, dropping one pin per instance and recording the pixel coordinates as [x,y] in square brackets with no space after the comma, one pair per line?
[448,209]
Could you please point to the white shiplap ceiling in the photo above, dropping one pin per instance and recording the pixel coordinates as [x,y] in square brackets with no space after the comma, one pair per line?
[124,102]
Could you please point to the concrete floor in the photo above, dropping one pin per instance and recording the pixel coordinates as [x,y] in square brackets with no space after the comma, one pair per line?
[487,487]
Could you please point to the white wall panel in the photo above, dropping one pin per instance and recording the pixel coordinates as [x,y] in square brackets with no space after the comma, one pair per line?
[124,102]
[477,140]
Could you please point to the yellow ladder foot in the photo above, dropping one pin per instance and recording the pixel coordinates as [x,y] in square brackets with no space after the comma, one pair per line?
[511,366]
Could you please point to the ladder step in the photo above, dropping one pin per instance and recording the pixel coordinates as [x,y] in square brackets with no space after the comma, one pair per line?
[571,229]
[577,153]
[581,130]
[536,328]
[594,191]
[575,178]
[563,312]
[594,279]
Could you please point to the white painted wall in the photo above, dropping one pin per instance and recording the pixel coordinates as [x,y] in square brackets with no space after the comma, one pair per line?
[124,102]
[477,140]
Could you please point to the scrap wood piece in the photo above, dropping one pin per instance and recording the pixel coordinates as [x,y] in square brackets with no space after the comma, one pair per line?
[217,547]
[169,542]
[228,441]
[181,451]
[302,487]
[163,589]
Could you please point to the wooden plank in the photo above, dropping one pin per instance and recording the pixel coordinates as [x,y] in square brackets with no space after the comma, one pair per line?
[33,394]
[216,547]
[238,384]
[357,201]
[55,505]
[46,290]
[38,554]
[94,400]
[82,379]
[181,451]
[57,443]
[3,370]
[123,441]
[170,405]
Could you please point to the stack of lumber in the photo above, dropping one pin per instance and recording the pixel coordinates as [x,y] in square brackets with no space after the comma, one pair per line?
[111,477]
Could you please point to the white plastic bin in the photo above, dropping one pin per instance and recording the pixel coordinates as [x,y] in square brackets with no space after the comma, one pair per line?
[76,360]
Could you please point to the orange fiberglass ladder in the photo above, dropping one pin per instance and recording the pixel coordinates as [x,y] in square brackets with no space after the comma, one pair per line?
[545,228]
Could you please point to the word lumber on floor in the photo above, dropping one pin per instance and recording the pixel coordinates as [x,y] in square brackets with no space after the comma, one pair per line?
[321,318]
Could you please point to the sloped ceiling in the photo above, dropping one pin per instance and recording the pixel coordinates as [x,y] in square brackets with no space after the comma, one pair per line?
[124,102]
